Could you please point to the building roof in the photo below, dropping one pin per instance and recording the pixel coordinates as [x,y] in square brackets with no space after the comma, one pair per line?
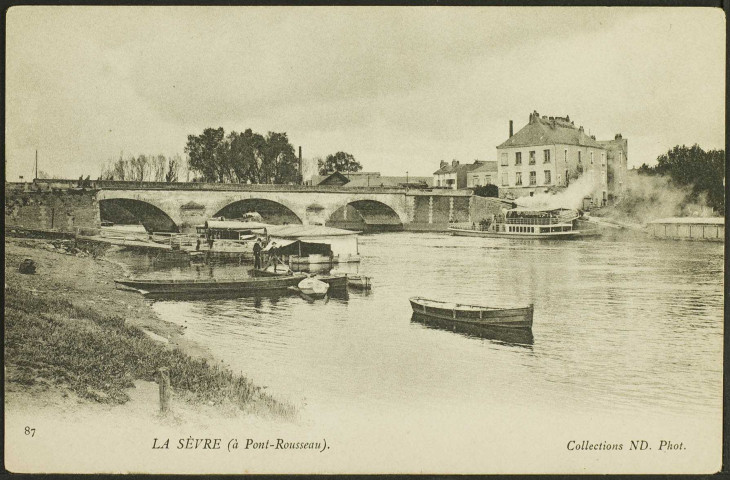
[367,179]
[456,167]
[300,231]
[486,167]
[334,178]
[549,131]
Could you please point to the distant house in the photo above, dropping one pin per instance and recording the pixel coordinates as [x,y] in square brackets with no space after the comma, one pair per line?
[370,179]
[455,175]
[485,174]
[552,152]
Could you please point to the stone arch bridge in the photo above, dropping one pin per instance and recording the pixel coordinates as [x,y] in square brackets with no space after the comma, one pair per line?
[182,206]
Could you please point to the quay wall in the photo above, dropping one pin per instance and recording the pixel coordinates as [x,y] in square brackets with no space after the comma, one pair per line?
[483,208]
[46,209]
[688,231]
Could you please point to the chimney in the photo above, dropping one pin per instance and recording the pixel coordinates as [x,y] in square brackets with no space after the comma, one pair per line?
[580,129]
[454,163]
[510,129]
[443,164]
[301,174]
[618,137]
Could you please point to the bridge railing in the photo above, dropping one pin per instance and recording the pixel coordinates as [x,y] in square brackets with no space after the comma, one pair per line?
[239,187]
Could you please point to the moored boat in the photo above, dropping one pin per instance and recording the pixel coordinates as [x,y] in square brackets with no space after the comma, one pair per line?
[474,314]
[247,285]
[526,223]
[313,287]
[334,281]
[360,282]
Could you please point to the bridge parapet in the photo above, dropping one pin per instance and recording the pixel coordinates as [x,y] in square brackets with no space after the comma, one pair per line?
[239,187]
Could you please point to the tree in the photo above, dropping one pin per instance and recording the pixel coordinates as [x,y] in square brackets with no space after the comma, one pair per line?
[143,168]
[281,163]
[703,172]
[245,157]
[173,170]
[207,154]
[339,162]
[488,190]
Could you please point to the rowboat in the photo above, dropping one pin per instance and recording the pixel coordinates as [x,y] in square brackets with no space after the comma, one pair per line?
[334,281]
[521,337]
[247,285]
[473,314]
[360,282]
[313,287]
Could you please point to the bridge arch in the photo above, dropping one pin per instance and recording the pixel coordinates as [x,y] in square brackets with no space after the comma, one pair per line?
[366,215]
[132,211]
[271,211]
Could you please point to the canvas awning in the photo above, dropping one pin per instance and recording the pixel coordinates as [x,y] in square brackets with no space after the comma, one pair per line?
[298,247]
[234,225]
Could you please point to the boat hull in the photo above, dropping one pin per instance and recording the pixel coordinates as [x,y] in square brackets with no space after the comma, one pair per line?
[251,285]
[359,282]
[502,317]
[460,232]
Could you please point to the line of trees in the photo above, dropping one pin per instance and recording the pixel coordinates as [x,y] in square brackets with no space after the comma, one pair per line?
[144,168]
[244,157]
[702,172]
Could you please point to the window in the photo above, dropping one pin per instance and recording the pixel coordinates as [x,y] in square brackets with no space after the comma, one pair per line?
[548,180]
[518,178]
[603,159]
[532,157]
[558,179]
[518,158]
[504,159]
[591,158]
[487,179]
[533,178]
[475,180]
[505,180]
[579,159]
[546,156]
[565,156]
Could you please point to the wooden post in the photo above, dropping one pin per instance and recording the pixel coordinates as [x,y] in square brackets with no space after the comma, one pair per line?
[163,378]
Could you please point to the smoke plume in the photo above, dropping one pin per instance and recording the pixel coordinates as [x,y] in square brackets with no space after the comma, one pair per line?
[571,197]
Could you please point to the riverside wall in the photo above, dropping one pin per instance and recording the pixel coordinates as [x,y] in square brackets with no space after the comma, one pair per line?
[64,210]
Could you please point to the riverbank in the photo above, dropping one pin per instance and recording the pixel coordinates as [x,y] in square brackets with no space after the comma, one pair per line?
[72,340]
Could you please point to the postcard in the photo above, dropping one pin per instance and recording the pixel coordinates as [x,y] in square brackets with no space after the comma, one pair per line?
[332,240]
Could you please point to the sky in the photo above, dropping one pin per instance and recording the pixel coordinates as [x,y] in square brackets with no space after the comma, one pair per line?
[400,88]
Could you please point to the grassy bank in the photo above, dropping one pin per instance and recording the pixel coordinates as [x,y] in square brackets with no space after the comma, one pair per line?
[70,329]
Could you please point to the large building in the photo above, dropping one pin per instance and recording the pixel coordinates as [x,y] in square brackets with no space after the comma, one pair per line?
[617,151]
[454,175]
[551,152]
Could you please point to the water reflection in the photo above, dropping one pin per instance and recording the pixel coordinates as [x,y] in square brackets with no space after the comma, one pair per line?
[510,336]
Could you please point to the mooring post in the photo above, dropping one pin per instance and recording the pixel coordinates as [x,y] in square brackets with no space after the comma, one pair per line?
[163,378]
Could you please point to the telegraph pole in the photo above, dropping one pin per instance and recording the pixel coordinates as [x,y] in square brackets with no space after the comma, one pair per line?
[36,164]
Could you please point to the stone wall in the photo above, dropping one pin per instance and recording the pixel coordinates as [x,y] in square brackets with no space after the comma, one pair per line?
[60,210]
[483,208]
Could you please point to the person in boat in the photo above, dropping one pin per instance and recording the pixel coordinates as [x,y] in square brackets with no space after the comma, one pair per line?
[257,254]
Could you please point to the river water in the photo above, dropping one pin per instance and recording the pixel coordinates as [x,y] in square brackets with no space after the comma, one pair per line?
[634,326]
